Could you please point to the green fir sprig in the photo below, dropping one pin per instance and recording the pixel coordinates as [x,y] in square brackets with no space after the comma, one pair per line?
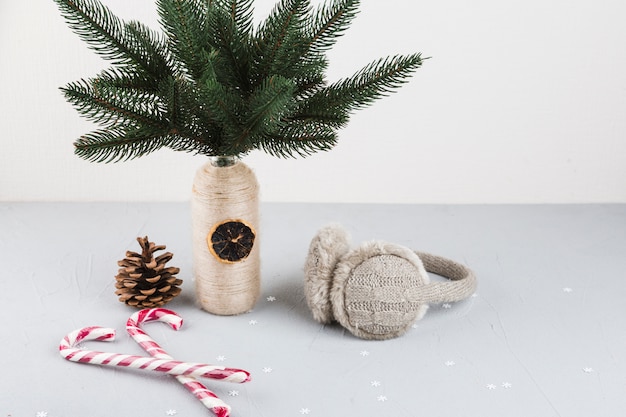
[211,83]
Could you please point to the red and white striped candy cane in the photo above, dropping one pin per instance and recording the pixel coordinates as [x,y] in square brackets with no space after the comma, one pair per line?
[202,393]
[69,351]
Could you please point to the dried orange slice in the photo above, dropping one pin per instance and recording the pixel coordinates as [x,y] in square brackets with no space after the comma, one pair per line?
[231,241]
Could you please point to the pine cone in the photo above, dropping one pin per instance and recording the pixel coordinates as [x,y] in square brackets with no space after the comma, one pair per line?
[143,280]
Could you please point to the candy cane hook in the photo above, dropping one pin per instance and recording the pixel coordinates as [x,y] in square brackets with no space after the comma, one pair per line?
[69,351]
[202,393]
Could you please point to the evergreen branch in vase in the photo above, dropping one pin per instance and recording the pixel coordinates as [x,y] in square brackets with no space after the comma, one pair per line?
[211,83]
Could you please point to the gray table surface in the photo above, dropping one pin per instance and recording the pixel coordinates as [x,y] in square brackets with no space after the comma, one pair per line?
[544,335]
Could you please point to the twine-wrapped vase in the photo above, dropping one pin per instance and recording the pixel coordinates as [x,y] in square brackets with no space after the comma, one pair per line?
[225,219]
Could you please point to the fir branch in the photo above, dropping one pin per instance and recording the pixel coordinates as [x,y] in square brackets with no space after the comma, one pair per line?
[269,103]
[117,144]
[152,49]
[170,91]
[374,81]
[102,101]
[310,76]
[299,138]
[96,25]
[277,33]
[122,79]
[188,115]
[122,144]
[231,52]
[194,146]
[330,114]
[226,109]
[183,21]
[329,23]
[241,13]
[106,34]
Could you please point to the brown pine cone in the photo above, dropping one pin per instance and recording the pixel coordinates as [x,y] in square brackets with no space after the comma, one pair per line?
[143,281]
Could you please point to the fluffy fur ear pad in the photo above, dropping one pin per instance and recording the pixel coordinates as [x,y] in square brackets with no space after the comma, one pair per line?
[325,251]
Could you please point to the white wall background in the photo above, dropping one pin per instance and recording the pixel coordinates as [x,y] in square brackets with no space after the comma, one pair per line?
[522,102]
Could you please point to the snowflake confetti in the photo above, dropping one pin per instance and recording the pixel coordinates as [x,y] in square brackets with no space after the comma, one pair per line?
[305,411]
[382,398]
[491,387]
[568,290]
[267,370]
[271,298]
[42,414]
[588,370]
[447,306]
[233,393]
[375,383]
[253,322]
[221,358]
[450,363]
[365,353]
[171,412]
[506,385]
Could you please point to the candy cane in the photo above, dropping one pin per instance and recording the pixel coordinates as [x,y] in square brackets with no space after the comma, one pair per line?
[69,351]
[202,393]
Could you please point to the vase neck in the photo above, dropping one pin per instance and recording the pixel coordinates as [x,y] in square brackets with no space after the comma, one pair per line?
[223,160]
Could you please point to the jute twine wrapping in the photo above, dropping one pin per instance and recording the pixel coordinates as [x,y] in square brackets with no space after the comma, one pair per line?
[222,193]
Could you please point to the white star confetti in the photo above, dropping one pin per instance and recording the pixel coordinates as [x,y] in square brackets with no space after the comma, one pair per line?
[588,370]
[267,370]
[491,387]
[568,290]
[233,393]
[450,363]
[305,411]
[253,322]
[221,358]
[375,383]
[271,298]
[447,306]
[382,398]
[365,353]
[171,412]
[506,385]
[42,414]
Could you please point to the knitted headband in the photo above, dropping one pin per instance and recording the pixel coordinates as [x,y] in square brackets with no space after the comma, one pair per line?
[378,290]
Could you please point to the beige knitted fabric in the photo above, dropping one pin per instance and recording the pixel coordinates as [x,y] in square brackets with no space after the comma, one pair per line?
[463,279]
[222,193]
[376,290]
[381,297]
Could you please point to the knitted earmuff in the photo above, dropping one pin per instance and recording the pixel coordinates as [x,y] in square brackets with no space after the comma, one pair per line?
[378,290]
